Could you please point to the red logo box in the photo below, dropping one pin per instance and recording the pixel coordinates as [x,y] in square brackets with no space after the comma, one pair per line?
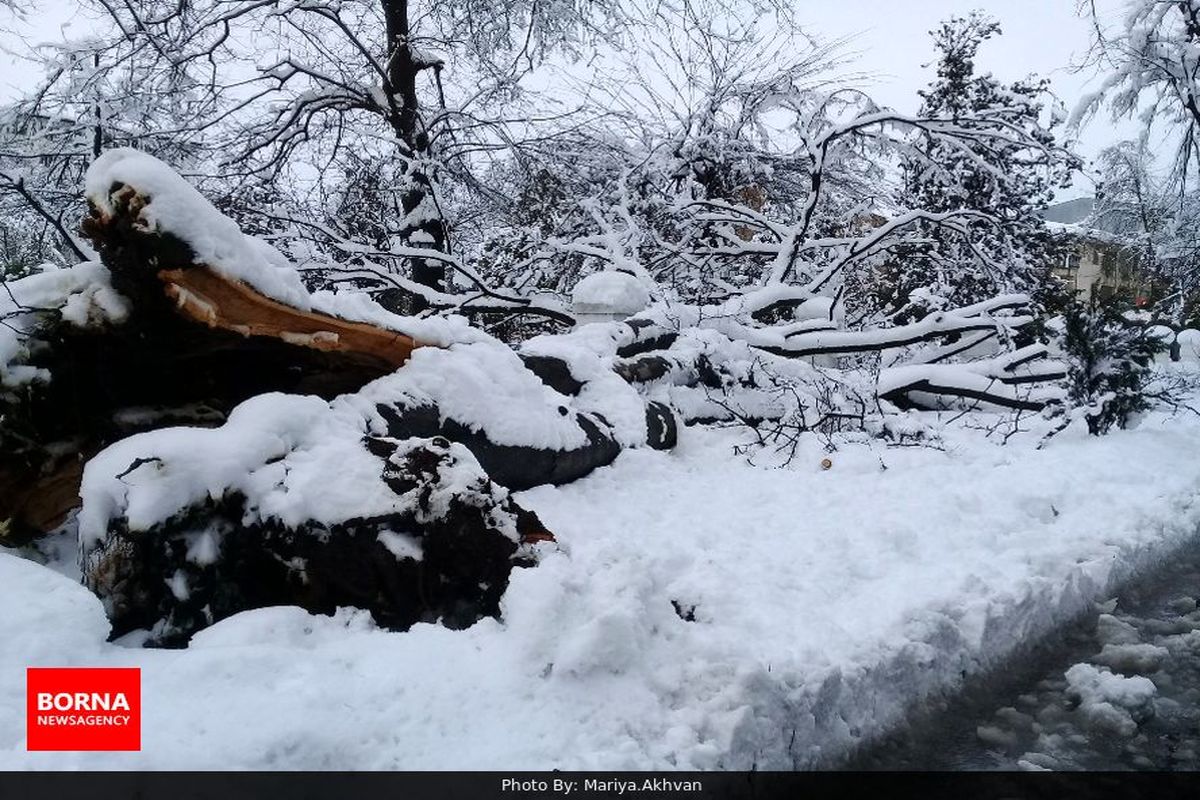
[83,708]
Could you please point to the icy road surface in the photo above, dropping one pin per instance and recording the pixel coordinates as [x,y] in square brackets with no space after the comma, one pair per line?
[1120,689]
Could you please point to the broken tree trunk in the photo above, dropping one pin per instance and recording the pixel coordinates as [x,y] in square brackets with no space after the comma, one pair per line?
[431,539]
[196,343]
[204,296]
[193,339]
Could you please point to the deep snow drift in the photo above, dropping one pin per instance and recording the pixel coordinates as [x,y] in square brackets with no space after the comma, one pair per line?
[821,603]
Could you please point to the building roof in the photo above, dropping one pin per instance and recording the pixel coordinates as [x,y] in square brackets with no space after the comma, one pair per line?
[1084,215]
[1070,212]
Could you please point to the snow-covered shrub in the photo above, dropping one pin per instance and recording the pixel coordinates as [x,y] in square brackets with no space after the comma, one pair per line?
[1109,360]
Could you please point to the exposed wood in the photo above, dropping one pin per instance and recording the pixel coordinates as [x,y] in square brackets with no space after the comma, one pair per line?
[38,505]
[193,338]
[204,296]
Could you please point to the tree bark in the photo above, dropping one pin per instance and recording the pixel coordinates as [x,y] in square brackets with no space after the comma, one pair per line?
[423,224]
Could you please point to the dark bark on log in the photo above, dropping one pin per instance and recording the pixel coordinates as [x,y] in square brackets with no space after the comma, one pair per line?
[511,466]
[645,337]
[554,372]
[645,369]
[900,396]
[662,429]
[151,580]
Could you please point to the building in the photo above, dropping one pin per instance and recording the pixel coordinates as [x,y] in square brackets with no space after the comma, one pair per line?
[1104,260]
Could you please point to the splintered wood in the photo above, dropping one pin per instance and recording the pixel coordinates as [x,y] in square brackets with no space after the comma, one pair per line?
[204,296]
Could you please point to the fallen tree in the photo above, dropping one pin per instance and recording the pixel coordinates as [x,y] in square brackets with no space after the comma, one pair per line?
[210,317]
[188,321]
[248,442]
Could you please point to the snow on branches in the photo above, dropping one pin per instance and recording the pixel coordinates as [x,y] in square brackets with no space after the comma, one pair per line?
[1153,62]
[1154,68]
[779,229]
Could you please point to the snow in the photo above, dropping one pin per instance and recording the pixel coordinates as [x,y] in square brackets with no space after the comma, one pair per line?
[1132,657]
[298,458]
[402,545]
[295,458]
[1106,700]
[1162,333]
[82,295]
[817,308]
[438,331]
[825,601]
[149,477]
[484,386]
[55,603]
[590,354]
[1114,631]
[609,292]
[803,338]
[1189,344]
[175,206]
[951,378]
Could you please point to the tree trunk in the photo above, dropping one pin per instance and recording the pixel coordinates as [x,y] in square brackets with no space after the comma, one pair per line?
[423,224]
[196,343]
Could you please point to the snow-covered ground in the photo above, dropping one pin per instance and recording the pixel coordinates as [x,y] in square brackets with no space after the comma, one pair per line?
[820,603]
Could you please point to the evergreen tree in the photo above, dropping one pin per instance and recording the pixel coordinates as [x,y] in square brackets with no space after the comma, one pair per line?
[1109,361]
[1008,181]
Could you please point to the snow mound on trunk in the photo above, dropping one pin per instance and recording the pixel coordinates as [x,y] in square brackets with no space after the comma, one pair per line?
[169,204]
[276,449]
[173,205]
[292,501]
[485,387]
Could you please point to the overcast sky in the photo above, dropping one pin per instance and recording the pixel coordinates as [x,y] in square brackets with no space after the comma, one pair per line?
[1046,37]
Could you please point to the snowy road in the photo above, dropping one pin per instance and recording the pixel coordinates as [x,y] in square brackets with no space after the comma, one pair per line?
[823,603]
[1144,645]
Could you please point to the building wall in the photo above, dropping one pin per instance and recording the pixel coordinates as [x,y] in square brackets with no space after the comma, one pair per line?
[1097,267]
